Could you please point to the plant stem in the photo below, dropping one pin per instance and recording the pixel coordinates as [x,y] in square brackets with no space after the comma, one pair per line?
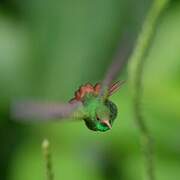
[135,71]
[47,158]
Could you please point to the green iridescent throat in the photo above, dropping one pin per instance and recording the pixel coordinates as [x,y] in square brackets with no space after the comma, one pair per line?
[97,110]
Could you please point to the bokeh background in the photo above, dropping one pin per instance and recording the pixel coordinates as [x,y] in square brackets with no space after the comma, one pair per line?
[49,48]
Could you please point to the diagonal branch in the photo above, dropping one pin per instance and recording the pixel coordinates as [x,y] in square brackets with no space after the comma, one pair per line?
[120,59]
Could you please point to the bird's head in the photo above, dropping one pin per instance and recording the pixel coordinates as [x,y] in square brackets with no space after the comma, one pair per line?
[101,115]
[103,119]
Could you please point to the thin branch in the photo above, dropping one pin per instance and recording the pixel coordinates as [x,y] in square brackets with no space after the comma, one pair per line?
[135,71]
[47,158]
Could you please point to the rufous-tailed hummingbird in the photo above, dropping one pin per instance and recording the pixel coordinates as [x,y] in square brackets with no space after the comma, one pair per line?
[90,103]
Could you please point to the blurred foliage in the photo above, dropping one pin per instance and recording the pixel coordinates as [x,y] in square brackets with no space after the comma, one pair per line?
[49,48]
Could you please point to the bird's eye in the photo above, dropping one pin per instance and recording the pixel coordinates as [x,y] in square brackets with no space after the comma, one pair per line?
[97,117]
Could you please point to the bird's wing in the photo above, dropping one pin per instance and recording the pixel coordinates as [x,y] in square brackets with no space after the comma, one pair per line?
[115,87]
[30,110]
[115,68]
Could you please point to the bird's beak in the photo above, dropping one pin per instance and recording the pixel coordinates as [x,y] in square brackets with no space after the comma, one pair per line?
[106,122]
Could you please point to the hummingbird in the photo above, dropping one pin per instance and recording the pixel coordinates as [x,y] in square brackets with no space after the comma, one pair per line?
[90,103]
[99,112]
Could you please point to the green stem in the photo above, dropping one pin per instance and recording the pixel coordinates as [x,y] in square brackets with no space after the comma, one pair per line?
[47,158]
[135,71]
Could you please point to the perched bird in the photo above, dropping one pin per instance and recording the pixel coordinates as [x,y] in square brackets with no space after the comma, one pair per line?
[90,103]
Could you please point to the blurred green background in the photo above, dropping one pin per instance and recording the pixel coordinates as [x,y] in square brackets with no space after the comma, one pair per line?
[49,48]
